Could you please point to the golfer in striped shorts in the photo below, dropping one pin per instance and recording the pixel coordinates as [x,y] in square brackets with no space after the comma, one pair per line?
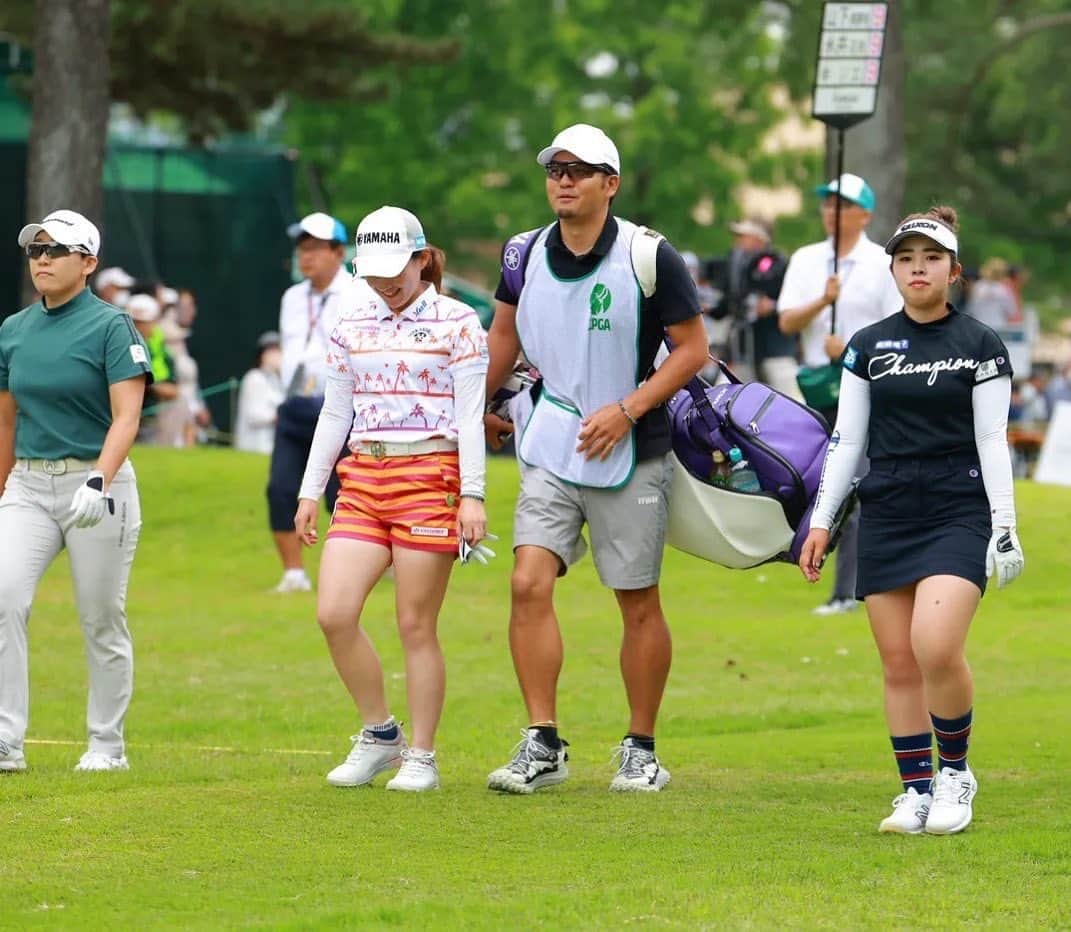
[407,370]
[73,372]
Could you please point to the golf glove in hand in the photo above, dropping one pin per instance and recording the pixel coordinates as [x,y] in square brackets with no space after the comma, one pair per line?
[477,554]
[91,501]
[1004,556]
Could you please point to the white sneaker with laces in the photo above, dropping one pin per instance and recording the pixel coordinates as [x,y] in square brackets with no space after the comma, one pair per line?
[418,772]
[11,761]
[369,756]
[294,581]
[951,811]
[909,813]
[534,765]
[836,607]
[99,761]
[638,770]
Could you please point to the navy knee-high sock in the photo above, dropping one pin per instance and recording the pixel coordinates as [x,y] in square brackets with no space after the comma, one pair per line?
[914,757]
[953,736]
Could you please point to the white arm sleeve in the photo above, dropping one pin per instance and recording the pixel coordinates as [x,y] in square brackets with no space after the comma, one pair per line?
[846,446]
[990,402]
[469,393]
[332,431]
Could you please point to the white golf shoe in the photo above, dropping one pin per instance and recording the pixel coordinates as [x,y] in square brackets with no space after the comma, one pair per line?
[418,772]
[951,811]
[99,761]
[534,765]
[11,761]
[638,770]
[370,756]
[294,581]
[836,607]
[909,813]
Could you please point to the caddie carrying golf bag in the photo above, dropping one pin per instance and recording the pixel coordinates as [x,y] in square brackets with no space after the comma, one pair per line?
[784,443]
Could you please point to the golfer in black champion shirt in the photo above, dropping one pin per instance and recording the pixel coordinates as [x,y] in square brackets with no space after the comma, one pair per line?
[926,393]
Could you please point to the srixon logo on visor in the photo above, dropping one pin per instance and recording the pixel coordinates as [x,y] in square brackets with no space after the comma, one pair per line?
[919,225]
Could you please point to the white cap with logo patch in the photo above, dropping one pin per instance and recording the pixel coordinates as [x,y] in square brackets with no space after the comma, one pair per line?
[385,241]
[588,143]
[66,227]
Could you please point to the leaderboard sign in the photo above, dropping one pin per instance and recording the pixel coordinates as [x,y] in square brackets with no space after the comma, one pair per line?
[850,46]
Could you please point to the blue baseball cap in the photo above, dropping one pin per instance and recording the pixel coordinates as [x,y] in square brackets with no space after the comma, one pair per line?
[851,188]
[319,226]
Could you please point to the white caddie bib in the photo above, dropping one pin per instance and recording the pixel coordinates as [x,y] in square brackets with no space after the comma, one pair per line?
[582,335]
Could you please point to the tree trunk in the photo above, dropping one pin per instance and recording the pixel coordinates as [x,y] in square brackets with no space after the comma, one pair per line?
[70,108]
[875,147]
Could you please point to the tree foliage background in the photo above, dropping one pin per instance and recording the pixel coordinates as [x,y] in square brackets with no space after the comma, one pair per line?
[690,102]
[440,105]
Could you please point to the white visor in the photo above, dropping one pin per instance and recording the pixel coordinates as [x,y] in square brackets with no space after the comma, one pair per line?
[923,226]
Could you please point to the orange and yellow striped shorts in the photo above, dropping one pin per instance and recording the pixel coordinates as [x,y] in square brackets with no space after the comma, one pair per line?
[399,501]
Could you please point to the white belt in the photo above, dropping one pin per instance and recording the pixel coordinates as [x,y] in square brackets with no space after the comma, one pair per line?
[57,467]
[382,448]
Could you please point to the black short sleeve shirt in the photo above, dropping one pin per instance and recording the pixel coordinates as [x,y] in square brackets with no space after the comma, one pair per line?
[921,381]
[674,301]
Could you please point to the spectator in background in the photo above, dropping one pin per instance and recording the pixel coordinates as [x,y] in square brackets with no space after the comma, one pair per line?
[1059,388]
[181,424]
[756,271]
[991,299]
[144,310]
[113,285]
[309,313]
[259,397]
[717,330]
[1016,280]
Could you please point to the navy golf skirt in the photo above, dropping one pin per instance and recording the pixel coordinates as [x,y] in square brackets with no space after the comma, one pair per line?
[919,518]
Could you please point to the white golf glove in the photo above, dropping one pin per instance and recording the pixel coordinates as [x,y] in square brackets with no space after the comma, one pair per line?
[477,554]
[1004,556]
[90,502]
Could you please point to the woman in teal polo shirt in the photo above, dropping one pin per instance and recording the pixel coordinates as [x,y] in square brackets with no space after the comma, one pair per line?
[73,373]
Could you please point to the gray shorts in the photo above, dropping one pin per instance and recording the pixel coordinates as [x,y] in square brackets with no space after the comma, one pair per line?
[627,526]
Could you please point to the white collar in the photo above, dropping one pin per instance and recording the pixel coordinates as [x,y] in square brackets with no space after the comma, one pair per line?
[864,243]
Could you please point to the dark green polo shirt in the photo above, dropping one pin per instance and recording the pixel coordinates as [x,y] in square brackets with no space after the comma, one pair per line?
[58,363]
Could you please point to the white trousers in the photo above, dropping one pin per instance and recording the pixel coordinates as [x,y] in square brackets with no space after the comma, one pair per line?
[34,527]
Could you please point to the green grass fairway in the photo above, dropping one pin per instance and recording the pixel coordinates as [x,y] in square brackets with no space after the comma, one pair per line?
[772,728]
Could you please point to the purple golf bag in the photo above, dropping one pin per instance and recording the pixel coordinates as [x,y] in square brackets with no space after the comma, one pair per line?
[784,442]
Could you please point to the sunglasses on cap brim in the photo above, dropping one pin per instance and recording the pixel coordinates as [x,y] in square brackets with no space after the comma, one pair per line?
[52,250]
[576,171]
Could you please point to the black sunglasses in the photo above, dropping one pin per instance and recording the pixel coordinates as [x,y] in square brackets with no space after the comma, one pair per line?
[577,171]
[52,250]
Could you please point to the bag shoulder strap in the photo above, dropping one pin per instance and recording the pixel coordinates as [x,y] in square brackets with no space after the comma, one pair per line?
[645,258]
[515,257]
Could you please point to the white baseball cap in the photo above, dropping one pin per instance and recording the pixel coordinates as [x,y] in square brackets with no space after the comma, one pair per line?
[144,308]
[588,143]
[319,226]
[751,226]
[385,240]
[923,226]
[66,227]
[113,277]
